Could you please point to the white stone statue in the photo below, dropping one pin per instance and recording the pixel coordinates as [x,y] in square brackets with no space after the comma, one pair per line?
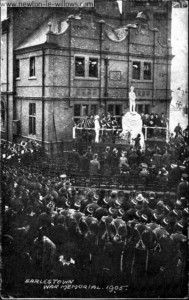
[97,128]
[132,98]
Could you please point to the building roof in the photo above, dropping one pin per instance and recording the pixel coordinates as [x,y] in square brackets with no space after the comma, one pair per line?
[36,38]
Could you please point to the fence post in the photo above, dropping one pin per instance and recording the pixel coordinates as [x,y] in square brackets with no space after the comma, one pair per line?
[167,134]
[145,134]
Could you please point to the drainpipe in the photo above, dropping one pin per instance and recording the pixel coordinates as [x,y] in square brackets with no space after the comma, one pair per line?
[101,22]
[153,66]
[106,76]
[7,85]
[128,66]
[43,100]
[70,59]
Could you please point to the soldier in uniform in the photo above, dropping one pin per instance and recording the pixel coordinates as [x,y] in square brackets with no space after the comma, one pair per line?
[183,187]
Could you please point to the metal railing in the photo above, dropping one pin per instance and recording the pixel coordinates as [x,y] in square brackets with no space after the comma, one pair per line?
[119,130]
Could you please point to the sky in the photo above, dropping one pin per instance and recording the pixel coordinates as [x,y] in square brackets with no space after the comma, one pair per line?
[179,41]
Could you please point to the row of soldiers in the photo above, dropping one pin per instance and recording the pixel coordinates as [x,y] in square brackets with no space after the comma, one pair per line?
[69,223]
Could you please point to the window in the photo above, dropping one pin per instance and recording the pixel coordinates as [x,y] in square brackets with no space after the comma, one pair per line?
[80,66]
[17,68]
[143,108]
[140,108]
[32,66]
[3,115]
[85,110]
[142,70]
[32,118]
[86,67]
[147,71]
[93,67]
[118,110]
[115,111]
[111,109]
[77,108]
[147,109]
[136,70]
[93,109]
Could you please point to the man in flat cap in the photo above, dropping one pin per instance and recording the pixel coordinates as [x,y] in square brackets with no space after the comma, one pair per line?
[183,187]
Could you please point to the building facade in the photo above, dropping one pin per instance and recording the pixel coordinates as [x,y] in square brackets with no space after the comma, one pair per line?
[74,63]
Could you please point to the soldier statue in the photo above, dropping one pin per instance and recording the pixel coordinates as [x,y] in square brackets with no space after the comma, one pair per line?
[132,98]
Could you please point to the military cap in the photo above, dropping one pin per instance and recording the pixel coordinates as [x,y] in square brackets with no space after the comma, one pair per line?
[185,176]
[63,176]
[121,212]
[152,195]
[140,198]
[144,217]
[117,203]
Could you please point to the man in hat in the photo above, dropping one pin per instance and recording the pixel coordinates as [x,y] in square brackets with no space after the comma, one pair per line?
[94,165]
[152,200]
[133,158]
[112,199]
[115,158]
[139,202]
[105,161]
[183,187]
[146,211]
[166,158]
[62,182]
[178,130]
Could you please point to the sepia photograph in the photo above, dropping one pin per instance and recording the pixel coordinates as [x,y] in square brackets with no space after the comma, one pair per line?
[94,149]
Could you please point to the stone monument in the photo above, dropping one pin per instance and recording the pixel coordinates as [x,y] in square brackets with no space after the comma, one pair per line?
[132,126]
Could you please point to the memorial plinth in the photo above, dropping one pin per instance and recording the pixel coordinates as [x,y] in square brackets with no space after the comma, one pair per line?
[132,126]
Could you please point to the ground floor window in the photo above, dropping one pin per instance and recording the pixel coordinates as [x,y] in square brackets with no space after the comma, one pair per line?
[32,118]
[115,111]
[84,110]
[3,115]
[143,108]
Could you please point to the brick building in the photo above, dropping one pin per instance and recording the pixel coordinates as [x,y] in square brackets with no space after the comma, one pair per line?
[66,64]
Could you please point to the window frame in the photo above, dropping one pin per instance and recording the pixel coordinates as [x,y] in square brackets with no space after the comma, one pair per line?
[89,109]
[114,115]
[147,62]
[86,67]
[80,57]
[139,63]
[17,67]
[32,118]
[3,109]
[32,73]
[142,63]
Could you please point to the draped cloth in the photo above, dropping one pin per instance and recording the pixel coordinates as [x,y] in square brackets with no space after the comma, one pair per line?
[132,123]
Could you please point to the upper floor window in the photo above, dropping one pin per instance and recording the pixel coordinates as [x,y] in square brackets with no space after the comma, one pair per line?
[136,70]
[17,68]
[93,67]
[80,66]
[141,70]
[32,118]
[147,71]
[86,67]
[32,66]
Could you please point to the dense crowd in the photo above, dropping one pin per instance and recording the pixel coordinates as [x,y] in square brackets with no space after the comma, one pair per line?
[111,126]
[102,237]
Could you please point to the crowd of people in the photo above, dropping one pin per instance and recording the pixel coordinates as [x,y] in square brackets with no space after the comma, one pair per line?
[100,237]
[111,126]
